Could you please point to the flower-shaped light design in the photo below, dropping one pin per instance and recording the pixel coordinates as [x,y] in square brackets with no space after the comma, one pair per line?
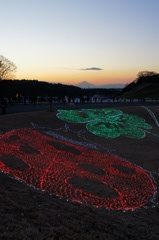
[108,123]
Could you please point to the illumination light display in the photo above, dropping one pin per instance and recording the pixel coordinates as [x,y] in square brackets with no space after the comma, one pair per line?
[108,123]
[74,172]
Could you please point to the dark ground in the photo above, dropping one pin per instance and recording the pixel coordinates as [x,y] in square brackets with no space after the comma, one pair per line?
[26,213]
[30,107]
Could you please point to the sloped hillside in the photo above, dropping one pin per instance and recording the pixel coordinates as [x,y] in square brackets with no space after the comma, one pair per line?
[145,90]
[145,86]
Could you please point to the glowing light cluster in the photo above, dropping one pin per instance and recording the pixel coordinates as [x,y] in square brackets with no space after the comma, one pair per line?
[108,123]
[74,172]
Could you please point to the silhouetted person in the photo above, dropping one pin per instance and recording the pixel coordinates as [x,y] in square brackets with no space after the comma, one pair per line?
[3,106]
[34,100]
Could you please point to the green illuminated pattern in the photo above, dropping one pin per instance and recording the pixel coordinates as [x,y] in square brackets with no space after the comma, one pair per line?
[108,123]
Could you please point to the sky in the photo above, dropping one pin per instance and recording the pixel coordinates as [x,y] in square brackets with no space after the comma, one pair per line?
[70,41]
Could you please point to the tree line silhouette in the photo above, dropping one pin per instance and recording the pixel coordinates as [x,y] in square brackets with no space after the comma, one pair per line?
[35,88]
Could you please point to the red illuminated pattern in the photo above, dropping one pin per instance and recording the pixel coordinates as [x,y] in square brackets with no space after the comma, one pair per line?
[74,172]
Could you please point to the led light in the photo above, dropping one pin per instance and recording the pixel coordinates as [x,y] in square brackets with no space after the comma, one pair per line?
[108,123]
[72,172]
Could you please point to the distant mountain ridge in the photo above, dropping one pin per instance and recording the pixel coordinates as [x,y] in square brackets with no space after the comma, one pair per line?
[87,85]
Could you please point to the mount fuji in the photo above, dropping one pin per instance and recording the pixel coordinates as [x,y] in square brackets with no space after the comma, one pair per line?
[86,84]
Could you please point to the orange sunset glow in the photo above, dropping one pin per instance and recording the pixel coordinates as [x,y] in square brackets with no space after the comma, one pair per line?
[69,42]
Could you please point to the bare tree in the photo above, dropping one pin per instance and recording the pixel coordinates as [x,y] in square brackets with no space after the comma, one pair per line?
[7,68]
